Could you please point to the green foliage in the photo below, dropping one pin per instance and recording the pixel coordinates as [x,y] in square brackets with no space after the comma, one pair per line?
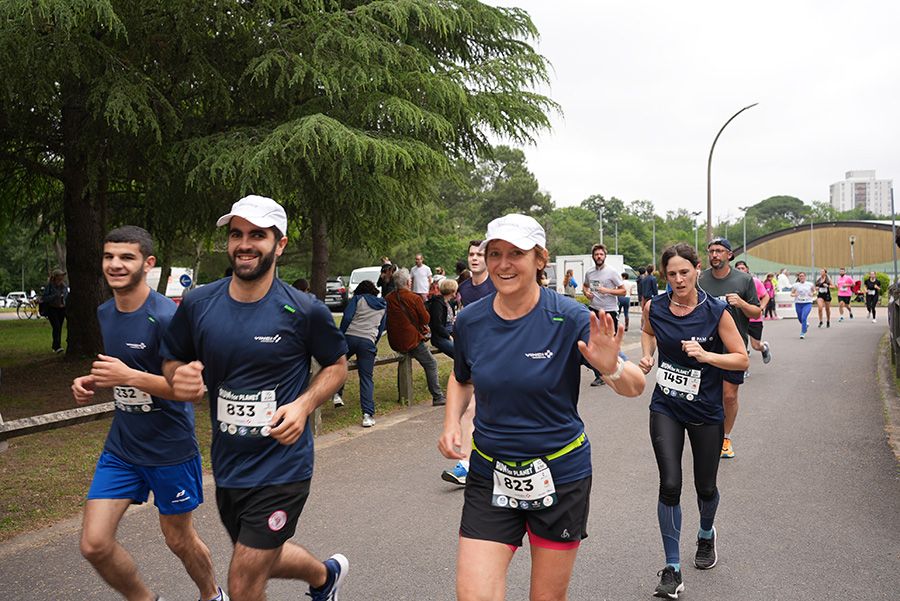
[570,230]
[884,280]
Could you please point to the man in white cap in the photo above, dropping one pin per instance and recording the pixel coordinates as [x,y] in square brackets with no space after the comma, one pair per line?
[250,339]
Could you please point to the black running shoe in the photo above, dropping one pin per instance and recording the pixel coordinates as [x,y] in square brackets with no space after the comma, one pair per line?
[706,557]
[670,583]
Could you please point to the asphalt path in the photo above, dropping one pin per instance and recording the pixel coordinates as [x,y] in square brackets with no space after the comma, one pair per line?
[810,505]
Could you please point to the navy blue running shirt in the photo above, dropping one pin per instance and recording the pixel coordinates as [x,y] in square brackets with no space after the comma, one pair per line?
[155,432]
[702,325]
[469,292]
[527,376]
[255,355]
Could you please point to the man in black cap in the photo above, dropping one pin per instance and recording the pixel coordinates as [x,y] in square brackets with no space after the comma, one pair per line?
[738,290]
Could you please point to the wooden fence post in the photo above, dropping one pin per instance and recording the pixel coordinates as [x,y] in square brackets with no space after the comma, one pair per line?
[405,379]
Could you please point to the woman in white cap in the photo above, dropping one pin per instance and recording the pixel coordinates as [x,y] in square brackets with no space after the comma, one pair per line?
[520,351]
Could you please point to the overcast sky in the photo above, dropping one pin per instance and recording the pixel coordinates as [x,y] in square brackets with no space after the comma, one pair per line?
[645,86]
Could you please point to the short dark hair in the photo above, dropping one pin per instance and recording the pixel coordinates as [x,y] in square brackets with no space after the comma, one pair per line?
[474,243]
[683,250]
[598,246]
[301,284]
[366,287]
[132,234]
[641,271]
[742,262]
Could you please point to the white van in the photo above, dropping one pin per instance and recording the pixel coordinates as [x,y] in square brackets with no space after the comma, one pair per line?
[360,274]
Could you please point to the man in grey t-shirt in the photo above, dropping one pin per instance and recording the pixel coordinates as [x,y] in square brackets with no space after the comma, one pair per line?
[738,290]
[603,285]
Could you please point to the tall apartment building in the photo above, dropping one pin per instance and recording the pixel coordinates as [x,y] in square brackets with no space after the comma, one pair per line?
[860,189]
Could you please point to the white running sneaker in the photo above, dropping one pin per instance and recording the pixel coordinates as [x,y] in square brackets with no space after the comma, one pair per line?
[368,421]
[338,401]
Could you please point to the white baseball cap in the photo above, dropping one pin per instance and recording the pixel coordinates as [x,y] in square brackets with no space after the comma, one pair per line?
[258,210]
[521,231]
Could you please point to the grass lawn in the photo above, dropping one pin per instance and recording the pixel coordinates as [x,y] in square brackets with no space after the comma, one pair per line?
[44,477]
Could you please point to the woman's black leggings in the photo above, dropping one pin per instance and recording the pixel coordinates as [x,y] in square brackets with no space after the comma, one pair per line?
[871,303]
[667,436]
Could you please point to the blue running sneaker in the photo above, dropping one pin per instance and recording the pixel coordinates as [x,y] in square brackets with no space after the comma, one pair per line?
[337,566]
[457,475]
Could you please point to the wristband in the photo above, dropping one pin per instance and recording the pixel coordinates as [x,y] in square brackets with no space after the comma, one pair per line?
[620,367]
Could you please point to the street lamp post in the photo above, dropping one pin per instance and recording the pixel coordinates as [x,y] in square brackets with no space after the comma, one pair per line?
[744,250]
[894,235]
[601,224]
[709,173]
[617,237]
[694,215]
[654,240]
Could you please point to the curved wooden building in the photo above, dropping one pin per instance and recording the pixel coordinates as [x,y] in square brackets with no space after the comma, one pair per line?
[827,244]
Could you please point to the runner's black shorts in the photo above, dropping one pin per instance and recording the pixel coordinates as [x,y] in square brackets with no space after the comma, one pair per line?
[754,330]
[264,517]
[734,377]
[561,526]
[825,296]
[844,299]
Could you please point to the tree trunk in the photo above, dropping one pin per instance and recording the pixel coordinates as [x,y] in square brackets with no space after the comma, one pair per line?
[165,271]
[198,254]
[319,272]
[84,209]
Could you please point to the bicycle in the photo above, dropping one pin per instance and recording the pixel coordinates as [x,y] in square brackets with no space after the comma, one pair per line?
[28,309]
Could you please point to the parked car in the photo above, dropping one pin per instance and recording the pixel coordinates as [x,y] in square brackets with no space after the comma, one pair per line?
[335,294]
[363,273]
[14,298]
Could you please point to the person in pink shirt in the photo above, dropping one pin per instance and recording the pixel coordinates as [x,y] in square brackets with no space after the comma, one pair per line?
[755,327]
[844,284]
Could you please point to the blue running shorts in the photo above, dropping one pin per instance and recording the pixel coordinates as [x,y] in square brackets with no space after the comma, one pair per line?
[176,488]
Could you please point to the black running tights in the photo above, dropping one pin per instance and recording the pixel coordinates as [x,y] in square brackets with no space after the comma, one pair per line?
[667,436]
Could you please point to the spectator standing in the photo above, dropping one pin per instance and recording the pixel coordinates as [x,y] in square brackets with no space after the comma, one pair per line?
[602,285]
[770,285]
[53,301]
[386,279]
[363,325]
[625,301]
[421,277]
[407,329]
[571,286]
[784,282]
[642,273]
[442,316]
[438,275]
[649,285]
[301,284]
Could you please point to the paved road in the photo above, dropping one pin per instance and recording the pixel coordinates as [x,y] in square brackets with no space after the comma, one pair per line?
[810,506]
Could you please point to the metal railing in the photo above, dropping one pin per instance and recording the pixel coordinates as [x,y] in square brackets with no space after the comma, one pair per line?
[893,312]
[77,415]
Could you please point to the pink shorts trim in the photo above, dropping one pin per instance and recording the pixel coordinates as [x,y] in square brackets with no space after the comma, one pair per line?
[544,543]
